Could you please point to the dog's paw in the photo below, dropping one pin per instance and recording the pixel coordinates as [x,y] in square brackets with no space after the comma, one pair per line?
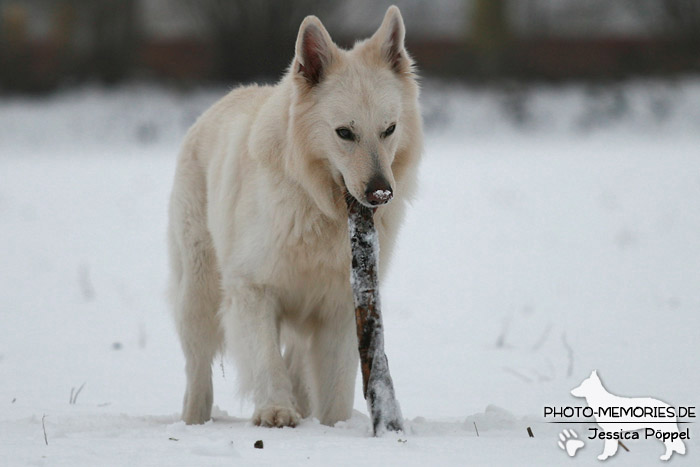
[196,409]
[569,442]
[275,416]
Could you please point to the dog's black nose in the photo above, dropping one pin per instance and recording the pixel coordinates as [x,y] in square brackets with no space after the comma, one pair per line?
[378,191]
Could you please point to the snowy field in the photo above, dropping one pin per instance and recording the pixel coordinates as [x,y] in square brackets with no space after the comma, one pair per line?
[557,231]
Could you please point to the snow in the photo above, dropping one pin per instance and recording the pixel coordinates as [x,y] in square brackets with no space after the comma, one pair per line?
[383,195]
[556,232]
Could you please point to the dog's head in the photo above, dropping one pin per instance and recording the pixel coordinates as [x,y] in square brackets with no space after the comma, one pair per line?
[354,113]
[589,386]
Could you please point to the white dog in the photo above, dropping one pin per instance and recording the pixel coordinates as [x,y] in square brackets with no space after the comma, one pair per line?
[608,409]
[259,248]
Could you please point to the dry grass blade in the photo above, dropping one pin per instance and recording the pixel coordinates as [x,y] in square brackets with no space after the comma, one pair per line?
[43,427]
[74,394]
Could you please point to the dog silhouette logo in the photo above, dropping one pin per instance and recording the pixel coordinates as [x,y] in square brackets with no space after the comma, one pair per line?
[622,417]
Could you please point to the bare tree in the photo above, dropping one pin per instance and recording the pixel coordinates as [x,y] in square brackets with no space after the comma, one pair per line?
[14,47]
[115,32]
[490,34]
[674,19]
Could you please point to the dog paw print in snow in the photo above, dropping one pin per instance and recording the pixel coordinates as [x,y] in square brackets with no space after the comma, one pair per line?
[569,442]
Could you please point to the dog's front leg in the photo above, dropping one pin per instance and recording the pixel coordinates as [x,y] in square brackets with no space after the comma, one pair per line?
[334,360]
[250,317]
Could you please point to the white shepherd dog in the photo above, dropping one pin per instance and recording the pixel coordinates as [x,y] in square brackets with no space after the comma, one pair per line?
[260,255]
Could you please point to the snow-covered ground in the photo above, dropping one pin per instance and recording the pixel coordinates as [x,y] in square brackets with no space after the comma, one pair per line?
[556,232]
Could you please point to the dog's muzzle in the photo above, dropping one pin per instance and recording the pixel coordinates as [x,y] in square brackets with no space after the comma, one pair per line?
[378,191]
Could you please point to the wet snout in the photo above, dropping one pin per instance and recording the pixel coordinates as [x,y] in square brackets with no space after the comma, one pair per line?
[378,190]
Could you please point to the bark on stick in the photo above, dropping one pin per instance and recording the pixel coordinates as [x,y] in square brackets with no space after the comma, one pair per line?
[376,380]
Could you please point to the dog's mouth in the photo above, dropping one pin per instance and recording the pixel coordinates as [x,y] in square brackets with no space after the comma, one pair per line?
[350,199]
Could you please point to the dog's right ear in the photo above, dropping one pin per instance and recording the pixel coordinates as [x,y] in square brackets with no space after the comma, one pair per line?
[315,51]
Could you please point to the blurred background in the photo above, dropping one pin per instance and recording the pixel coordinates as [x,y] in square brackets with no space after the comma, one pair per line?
[555,230]
[46,44]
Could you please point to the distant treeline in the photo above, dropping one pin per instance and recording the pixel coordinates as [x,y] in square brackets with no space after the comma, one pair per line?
[241,40]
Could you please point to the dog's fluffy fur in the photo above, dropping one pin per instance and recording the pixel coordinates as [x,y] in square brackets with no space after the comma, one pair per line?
[260,256]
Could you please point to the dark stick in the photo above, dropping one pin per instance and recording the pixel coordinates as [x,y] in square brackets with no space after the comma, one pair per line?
[376,381]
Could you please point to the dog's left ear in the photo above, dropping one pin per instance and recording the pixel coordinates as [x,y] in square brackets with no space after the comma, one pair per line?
[390,40]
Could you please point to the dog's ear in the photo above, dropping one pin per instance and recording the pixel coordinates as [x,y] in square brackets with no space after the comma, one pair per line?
[314,51]
[594,375]
[389,38]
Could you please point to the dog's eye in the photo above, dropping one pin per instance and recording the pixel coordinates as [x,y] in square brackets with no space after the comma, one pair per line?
[389,131]
[345,133]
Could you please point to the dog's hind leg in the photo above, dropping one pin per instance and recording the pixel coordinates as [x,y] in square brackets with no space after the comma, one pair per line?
[195,293]
[609,449]
[200,337]
[673,446]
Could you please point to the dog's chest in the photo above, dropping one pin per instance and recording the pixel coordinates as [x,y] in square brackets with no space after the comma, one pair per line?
[308,244]
[308,262]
